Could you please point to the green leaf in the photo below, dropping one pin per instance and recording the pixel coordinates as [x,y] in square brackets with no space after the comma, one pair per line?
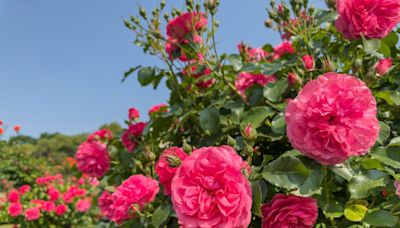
[355,210]
[146,75]
[274,91]
[270,68]
[394,142]
[278,124]
[391,40]
[160,215]
[323,16]
[236,61]
[380,218]
[384,132]
[361,185]
[257,198]
[129,72]
[344,170]
[333,210]
[387,155]
[209,120]
[256,116]
[313,181]
[385,50]
[391,97]
[286,172]
[371,45]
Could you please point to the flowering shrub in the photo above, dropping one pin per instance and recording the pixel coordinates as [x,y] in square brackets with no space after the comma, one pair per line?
[52,200]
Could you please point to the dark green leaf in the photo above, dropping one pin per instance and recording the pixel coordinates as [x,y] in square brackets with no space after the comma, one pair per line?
[361,185]
[278,124]
[256,116]
[146,75]
[274,91]
[394,142]
[391,40]
[391,97]
[322,16]
[384,132]
[160,215]
[236,61]
[209,120]
[257,198]
[380,218]
[371,45]
[313,181]
[387,155]
[333,210]
[129,72]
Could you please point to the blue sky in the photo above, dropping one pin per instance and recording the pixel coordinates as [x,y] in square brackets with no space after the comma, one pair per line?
[61,61]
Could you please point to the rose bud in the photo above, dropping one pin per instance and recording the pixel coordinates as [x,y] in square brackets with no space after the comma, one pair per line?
[308,62]
[383,66]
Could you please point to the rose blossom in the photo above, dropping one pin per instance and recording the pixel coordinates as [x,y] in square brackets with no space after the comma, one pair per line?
[158,108]
[61,209]
[15,209]
[136,190]
[32,213]
[163,169]
[24,189]
[252,54]
[100,135]
[371,18]
[192,71]
[130,136]
[53,193]
[383,66]
[332,118]
[105,201]
[92,158]
[186,23]
[83,205]
[133,113]
[48,206]
[289,211]
[285,47]
[245,80]
[13,196]
[308,62]
[210,190]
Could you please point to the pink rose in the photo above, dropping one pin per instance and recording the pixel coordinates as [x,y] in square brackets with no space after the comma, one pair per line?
[158,108]
[192,71]
[133,113]
[246,80]
[308,62]
[186,23]
[130,137]
[163,169]
[332,118]
[383,66]
[61,209]
[371,18]
[93,159]
[284,48]
[83,205]
[48,206]
[289,211]
[293,79]
[136,190]
[32,213]
[53,193]
[13,196]
[15,209]
[101,135]
[252,54]
[210,190]
[24,189]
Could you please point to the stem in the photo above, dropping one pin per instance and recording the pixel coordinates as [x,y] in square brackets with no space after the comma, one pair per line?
[326,184]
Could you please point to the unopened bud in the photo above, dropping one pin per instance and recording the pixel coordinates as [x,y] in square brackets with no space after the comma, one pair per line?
[162,4]
[231,141]
[187,148]
[294,80]
[308,62]
[173,161]
[250,133]
[110,189]
[268,23]
[142,13]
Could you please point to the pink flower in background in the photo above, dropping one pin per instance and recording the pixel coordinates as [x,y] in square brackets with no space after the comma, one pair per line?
[48,206]
[252,54]
[24,189]
[210,190]
[371,18]
[383,66]
[13,196]
[285,47]
[186,23]
[83,205]
[192,71]
[61,209]
[158,108]
[17,128]
[246,80]
[137,189]
[133,113]
[92,158]
[332,118]
[308,62]
[100,135]
[14,209]
[130,137]
[32,213]
[163,169]
[289,211]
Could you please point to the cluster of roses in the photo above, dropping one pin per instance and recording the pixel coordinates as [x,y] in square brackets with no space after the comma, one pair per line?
[51,196]
[16,128]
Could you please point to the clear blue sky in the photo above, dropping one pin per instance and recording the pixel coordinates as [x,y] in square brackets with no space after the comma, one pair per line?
[61,61]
